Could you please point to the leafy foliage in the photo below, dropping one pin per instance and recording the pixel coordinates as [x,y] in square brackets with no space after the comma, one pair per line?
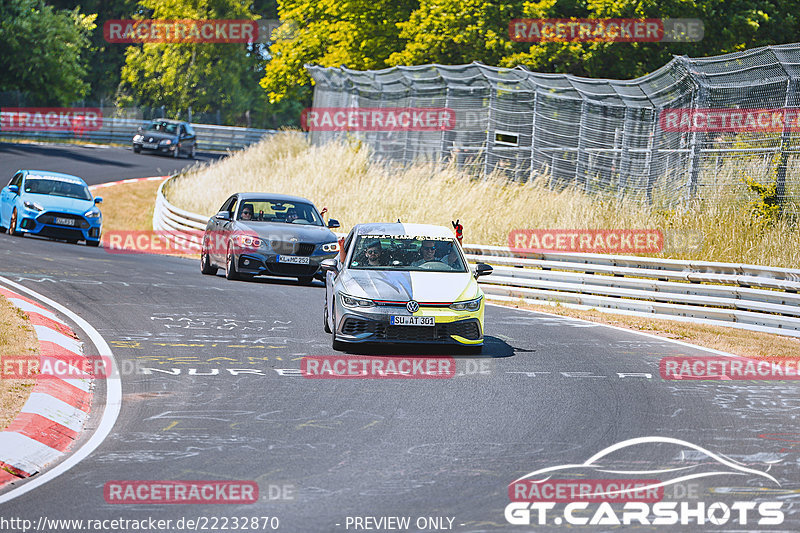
[44,51]
[201,75]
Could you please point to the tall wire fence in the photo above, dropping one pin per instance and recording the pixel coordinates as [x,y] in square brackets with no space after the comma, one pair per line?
[695,128]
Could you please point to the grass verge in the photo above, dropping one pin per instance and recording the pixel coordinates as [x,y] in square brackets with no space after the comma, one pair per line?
[355,189]
[128,206]
[17,338]
[736,341]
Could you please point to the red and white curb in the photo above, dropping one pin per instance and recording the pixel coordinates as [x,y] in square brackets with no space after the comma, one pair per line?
[56,410]
[132,180]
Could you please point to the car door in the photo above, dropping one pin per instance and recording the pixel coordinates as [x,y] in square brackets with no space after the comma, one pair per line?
[182,145]
[330,277]
[7,199]
[191,138]
[219,232]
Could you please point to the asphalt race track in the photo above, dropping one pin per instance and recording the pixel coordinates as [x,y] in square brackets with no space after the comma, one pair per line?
[216,396]
[95,164]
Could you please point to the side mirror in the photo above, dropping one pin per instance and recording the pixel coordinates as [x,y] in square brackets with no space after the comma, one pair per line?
[333,223]
[14,189]
[482,269]
[329,265]
[98,200]
[223,215]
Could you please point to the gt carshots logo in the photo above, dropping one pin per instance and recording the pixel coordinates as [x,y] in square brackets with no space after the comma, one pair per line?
[562,495]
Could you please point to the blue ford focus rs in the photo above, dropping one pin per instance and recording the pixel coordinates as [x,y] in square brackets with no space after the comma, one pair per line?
[50,204]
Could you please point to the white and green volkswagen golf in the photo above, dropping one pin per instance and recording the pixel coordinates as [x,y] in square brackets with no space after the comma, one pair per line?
[403,283]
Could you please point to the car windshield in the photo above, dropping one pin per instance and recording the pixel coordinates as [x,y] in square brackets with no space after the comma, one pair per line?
[57,187]
[267,210]
[163,127]
[407,252]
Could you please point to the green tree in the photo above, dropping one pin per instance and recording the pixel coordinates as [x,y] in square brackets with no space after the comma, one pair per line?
[203,76]
[105,59]
[730,25]
[44,51]
[360,34]
[456,31]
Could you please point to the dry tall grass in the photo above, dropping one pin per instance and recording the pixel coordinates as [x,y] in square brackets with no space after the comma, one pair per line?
[354,189]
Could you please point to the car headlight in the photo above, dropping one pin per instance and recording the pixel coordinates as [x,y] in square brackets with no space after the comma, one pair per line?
[469,305]
[33,206]
[92,213]
[165,142]
[330,247]
[248,240]
[138,138]
[350,301]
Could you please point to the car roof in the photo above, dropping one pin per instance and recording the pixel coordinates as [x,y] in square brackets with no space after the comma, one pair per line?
[399,228]
[279,197]
[48,173]
[170,120]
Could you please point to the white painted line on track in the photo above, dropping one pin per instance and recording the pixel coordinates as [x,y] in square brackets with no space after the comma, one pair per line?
[110,410]
[618,328]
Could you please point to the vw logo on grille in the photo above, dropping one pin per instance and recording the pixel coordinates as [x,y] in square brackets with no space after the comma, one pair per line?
[412,306]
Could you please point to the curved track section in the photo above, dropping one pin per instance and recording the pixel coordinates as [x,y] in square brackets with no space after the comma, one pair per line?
[95,164]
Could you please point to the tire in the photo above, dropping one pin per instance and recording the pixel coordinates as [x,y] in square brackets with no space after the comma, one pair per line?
[93,243]
[335,343]
[305,280]
[2,229]
[205,265]
[230,266]
[12,226]
[137,149]
[325,324]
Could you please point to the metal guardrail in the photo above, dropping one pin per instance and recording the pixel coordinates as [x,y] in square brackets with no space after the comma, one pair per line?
[122,130]
[751,297]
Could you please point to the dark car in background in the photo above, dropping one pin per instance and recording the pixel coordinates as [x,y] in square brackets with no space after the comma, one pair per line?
[257,234]
[168,137]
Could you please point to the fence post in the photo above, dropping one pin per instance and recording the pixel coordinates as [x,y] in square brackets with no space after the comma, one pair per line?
[780,179]
[581,147]
[489,130]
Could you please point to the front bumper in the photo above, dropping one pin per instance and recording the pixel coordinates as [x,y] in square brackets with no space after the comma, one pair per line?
[259,264]
[47,224]
[460,328]
[161,149]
